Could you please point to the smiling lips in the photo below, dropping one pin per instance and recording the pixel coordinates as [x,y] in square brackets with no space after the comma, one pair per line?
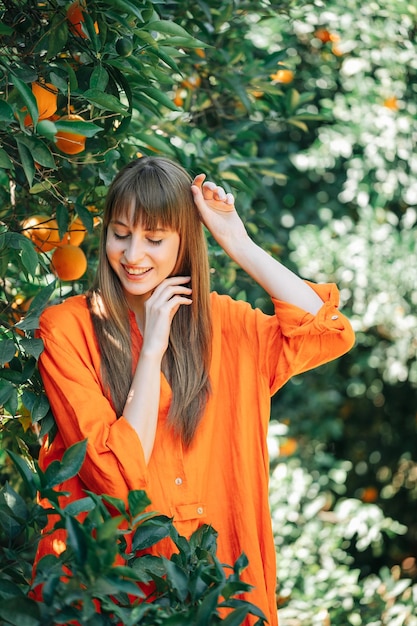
[136,271]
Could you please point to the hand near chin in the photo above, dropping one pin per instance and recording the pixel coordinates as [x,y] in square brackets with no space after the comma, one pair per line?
[160,309]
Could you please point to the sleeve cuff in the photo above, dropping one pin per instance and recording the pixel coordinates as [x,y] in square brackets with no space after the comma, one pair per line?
[295,321]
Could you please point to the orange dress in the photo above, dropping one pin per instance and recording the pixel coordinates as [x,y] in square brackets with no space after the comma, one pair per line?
[222,479]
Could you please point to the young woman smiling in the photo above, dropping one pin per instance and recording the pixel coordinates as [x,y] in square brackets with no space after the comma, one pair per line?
[171,383]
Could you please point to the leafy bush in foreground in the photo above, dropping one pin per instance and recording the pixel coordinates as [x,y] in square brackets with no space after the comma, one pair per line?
[96,580]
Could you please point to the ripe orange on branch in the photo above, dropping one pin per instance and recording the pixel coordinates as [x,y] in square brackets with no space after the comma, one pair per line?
[46,95]
[75,16]
[67,142]
[43,231]
[69,262]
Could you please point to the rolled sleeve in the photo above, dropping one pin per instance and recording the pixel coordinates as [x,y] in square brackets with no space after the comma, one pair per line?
[311,340]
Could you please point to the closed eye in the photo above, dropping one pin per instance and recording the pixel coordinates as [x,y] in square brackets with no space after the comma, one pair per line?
[155,242]
[117,236]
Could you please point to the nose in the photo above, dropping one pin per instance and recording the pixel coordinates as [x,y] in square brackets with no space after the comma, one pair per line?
[134,251]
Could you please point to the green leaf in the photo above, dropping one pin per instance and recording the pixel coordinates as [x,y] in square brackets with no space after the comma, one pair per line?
[29,256]
[5,29]
[208,607]
[7,350]
[79,506]
[86,217]
[137,501]
[39,408]
[58,36]
[299,124]
[71,463]
[26,160]
[87,129]
[27,97]
[99,78]
[150,533]
[160,97]
[8,589]
[5,162]
[236,618]
[177,579]
[20,611]
[156,142]
[6,112]
[108,529]
[33,347]
[42,298]
[169,28]
[116,503]
[105,101]
[6,391]
[77,540]
[47,129]
[43,185]
[62,219]
[30,479]
[15,502]
[129,8]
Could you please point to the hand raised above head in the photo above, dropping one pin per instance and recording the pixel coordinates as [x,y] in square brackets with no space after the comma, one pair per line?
[212,195]
[218,213]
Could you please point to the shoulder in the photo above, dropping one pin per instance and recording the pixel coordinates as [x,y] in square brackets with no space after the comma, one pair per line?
[236,314]
[66,316]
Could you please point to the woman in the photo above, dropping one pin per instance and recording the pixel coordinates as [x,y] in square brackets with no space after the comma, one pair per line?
[170,383]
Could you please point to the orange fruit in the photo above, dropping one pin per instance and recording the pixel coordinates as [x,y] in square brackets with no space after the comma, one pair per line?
[289,447]
[46,97]
[325,36]
[70,143]
[178,100]
[75,16]
[75,235]
[283,76]
[369,494]
[69,262]
[391,103]
[43,231]
[192,82]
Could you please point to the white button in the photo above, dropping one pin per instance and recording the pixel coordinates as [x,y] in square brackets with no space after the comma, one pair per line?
[200,510]
[178,481]
[335,317]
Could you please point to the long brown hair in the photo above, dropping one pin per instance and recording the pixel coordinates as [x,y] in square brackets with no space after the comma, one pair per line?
[159,191]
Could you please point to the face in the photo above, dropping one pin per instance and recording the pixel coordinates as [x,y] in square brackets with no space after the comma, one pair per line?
[141,258]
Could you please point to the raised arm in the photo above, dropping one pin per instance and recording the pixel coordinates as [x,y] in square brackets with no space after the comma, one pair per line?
[218,214]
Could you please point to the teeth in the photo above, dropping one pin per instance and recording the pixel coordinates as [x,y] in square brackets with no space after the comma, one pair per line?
[136,271]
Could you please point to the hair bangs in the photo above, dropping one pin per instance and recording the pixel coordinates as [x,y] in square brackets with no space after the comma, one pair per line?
[148,200]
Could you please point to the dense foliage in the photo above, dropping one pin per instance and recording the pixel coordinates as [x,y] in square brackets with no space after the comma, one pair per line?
[306,110]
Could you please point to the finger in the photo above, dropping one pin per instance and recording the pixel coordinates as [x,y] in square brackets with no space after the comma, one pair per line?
[208,190]
[166,292]
[198,181]
[230,199]
[219,194]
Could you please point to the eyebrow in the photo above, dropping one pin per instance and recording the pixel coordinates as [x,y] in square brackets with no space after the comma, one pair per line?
[147,230]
